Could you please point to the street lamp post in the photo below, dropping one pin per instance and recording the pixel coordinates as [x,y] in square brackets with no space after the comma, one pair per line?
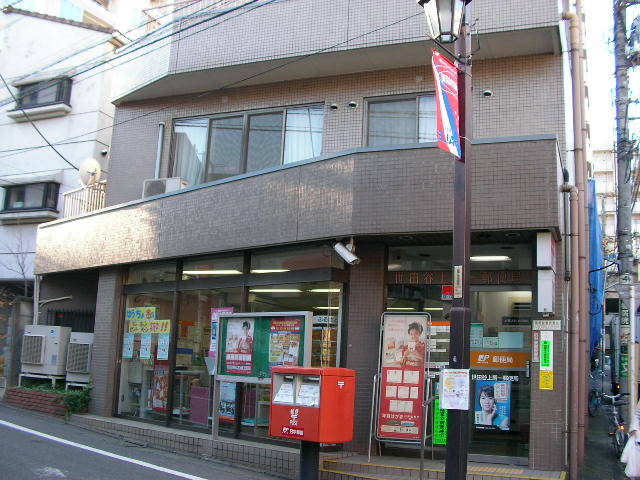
[444,19]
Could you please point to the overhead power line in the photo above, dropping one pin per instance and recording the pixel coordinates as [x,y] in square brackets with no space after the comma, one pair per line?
[100,60]
[240,81]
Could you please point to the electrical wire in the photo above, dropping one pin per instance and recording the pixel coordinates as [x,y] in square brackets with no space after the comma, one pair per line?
[34,125]
[242,80]
[100,60]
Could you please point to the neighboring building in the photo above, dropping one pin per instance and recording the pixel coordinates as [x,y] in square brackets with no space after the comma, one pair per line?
[44,50]
[604,164]
[290,138]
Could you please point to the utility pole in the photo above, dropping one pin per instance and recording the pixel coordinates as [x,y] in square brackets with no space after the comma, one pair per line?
[625,178]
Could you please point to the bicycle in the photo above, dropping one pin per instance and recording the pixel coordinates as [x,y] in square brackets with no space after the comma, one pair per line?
[595,400]
[618,433]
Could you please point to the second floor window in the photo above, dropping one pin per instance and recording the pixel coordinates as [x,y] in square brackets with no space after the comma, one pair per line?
[208,149]
[32,196]
[44,93]
[401,120]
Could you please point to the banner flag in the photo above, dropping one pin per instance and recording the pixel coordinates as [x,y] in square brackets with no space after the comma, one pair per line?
[447,114]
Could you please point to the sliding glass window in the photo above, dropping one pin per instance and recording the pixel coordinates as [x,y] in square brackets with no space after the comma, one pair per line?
[209,149]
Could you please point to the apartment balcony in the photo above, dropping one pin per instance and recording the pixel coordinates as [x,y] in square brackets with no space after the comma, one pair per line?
[84,200]
[297,39]
[376,192]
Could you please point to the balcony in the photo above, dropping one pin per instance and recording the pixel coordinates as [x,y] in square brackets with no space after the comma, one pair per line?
[84,200]
[367,191]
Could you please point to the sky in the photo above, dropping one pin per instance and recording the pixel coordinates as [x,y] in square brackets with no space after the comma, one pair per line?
[601,69]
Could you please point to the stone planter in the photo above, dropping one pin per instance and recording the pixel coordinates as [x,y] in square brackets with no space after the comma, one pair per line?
[43,402]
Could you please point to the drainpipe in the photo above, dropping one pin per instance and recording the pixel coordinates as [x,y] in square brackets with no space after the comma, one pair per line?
[581,273]
[573,329]
[159,148]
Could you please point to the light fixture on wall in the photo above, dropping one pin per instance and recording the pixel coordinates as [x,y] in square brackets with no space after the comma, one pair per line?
[490,258]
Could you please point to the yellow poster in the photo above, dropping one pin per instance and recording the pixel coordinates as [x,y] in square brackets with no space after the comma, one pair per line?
[546,380]
[149,326]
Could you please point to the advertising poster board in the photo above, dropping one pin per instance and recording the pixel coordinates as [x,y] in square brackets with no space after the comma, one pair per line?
[251,344]
[492,405]
[402,376]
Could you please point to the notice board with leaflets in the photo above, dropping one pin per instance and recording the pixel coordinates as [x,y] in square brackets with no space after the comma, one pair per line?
[251,344]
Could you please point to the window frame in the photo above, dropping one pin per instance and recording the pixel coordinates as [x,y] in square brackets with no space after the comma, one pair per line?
[245,115]
[51,189]
[63,93]
[394,98]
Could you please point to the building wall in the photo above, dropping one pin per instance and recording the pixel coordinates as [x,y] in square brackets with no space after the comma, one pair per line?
[24,156]
[371,192]
[507,113]
[366,304]
[106,341]
[253,36]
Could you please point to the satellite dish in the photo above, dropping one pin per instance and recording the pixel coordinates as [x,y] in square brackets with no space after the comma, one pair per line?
[90,171]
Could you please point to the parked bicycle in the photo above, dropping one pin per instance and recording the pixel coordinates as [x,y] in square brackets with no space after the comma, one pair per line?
[595,400]
[618,432]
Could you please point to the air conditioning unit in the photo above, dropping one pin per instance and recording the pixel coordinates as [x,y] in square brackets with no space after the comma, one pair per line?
[44,349]
[158,186]
[79,357]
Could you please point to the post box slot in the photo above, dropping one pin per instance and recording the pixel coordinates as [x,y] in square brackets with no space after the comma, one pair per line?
[284,388]
[308,391]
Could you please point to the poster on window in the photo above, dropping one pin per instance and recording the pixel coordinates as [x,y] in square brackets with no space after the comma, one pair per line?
[239,347]
[160,388]
[284,341]
[127,345]
[213,343]
[163,346]
[145,345]
[402,376]
[492,405]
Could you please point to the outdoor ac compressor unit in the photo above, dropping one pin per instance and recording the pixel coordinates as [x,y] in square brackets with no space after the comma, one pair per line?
[158,186]
[79,357]
[44,349]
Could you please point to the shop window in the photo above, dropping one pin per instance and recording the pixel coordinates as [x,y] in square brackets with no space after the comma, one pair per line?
[484,257]
[44,93]
[287,260]
[245,142]
[33,196]
[193,392]
[210,267]
[401,120]
[144,374]
[152,272]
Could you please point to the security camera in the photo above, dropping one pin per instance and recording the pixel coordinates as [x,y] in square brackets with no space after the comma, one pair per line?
[487,93]
[333,106]
[353,104]
[346,253]
[104,152]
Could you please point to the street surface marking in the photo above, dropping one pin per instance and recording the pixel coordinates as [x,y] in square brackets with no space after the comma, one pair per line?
[101,452]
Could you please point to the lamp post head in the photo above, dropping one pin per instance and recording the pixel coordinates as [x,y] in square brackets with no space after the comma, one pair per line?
[444,18]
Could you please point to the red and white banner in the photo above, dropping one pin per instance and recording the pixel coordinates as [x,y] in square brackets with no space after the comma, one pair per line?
[447,114]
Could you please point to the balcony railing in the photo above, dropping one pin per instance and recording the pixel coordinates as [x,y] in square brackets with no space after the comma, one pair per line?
[84,199]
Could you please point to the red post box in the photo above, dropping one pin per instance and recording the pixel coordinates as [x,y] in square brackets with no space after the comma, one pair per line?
[312,404]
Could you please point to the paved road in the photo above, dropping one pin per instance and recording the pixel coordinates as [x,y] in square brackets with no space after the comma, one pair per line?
[38,447]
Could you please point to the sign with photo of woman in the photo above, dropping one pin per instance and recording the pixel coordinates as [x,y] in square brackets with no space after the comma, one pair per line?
[492,405]
[239,352]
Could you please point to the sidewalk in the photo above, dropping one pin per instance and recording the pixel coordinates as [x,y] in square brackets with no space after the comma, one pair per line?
[600,462]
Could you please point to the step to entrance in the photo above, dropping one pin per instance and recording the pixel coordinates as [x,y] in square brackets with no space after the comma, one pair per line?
[394,468]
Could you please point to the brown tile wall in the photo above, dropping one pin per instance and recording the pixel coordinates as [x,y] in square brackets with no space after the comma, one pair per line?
[106,341]
[366,304]
[509,112]
[365,193]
